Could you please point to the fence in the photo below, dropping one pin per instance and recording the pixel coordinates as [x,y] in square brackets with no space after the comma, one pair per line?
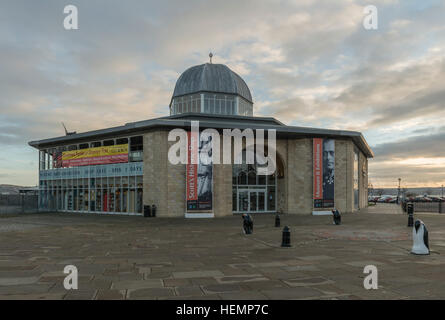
[435,207]
[18,203]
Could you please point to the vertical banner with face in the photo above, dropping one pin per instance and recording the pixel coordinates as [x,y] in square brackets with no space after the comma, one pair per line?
[324,173]
[328,172]
[318,173]
[199,172]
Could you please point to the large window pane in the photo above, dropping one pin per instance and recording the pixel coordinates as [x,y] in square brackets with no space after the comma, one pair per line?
[234,200]
[271,198]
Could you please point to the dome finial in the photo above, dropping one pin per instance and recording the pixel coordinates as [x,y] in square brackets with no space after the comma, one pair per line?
[210,56]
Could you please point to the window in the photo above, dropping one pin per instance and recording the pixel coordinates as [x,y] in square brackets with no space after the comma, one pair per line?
[109,143]
[96,144]
[93,190]
[136,143]
[207,105]
[42,160]
[122,141]
[136,149]
[84,146]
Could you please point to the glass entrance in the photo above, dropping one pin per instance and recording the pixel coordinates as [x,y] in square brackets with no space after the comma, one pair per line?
[252,192]
[243,199]
[251,200]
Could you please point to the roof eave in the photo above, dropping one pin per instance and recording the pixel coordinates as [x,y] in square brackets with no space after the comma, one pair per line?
[176,121]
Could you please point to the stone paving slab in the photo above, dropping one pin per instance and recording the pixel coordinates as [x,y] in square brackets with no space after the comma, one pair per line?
[41,296]
[137,284]
[110,295]
[189,291]
[17,281]
[305,282]
[292,293]
[80,295]
[241,278]
[242,295]
[121,257]
[25,289]
[150,293]
[197,274]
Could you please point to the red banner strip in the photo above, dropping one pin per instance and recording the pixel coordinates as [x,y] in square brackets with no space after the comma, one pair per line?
[318,168]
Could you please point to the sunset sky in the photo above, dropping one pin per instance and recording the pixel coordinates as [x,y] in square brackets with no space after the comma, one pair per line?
[307,63]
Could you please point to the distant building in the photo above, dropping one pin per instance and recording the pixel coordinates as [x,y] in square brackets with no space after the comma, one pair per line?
[122,169]
[29,190]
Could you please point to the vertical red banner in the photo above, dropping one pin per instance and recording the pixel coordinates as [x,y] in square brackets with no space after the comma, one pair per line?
[192,172]
[318,168]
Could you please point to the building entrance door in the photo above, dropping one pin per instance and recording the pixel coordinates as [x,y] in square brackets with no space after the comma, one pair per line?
[243,200]
[252,200]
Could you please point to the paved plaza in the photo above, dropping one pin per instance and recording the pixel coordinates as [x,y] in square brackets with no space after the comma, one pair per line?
[123,257]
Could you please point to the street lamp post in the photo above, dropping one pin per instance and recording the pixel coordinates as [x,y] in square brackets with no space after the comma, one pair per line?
[398,192]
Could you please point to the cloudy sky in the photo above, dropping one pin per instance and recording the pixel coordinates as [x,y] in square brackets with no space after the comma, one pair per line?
[307,63]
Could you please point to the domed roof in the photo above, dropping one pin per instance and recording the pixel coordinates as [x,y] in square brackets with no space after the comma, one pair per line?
[211,77]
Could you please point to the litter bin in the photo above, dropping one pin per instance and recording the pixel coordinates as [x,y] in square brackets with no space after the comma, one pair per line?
[147,211]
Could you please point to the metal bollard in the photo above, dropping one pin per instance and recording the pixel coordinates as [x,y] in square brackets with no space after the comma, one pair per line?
[286,237]
[277,220]
[410,211]
[153,210]
[336,217]
[247,223]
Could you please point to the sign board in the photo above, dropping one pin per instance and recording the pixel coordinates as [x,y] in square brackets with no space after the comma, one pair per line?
[95,156]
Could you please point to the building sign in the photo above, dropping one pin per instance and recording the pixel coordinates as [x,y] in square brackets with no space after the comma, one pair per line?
[324,173]
[94,156]
[199,171]
[110,170]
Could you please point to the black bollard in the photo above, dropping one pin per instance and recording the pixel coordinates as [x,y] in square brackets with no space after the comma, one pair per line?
[153,210]
[247,224]
[410,211]
[147,211]
[337,217]
[277,220]
[286,237]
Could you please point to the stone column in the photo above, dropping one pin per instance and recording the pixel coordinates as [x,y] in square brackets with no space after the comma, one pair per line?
[155,171]
[299,182]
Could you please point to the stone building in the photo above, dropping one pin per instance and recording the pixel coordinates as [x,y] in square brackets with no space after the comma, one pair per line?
[123,169]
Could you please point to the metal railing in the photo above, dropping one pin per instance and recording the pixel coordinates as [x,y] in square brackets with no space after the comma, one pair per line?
[18,203]
[434,207]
